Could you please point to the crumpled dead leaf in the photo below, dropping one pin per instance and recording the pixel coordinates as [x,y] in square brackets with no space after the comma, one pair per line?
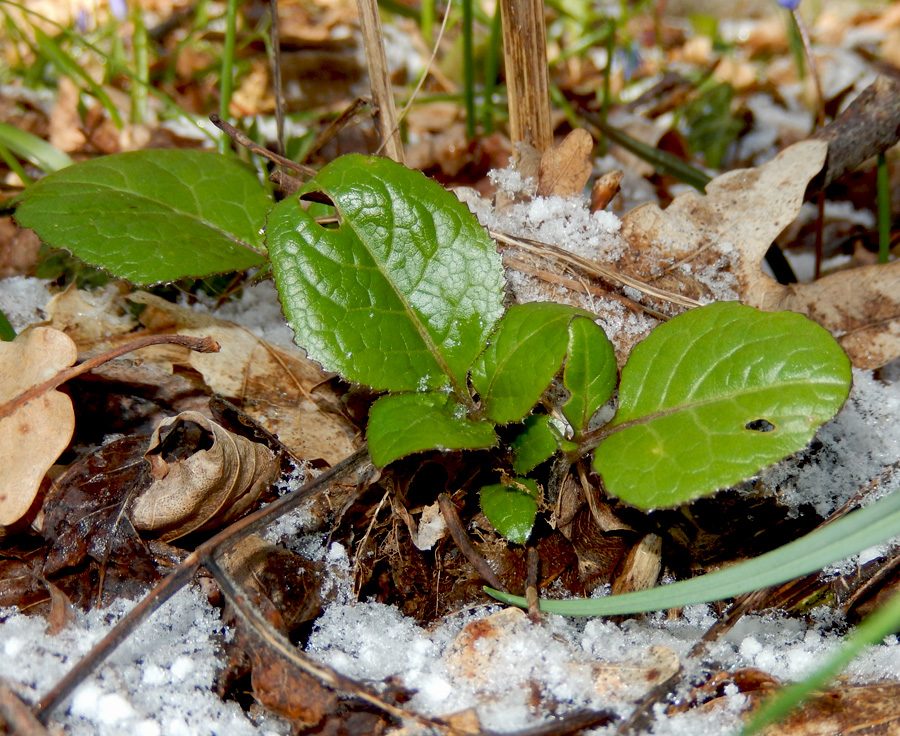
[220,478]
[33,436]
[742,212]
[278,387]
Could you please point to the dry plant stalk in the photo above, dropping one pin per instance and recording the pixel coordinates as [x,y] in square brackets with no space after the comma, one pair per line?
[527,73]
[380,80]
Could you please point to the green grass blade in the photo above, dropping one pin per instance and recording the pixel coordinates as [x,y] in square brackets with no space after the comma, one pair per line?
[884,210]
[141,68]
[664,162]
[68,66]
[25,145]
[468,67]
[872,630]
[853,533]
[226,81]
[491,68]
[14,165]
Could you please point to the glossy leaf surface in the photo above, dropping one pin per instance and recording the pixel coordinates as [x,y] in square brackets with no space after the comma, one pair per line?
[715,395]
[524,354]
[535,444]
[511,508]
[403,294]
[590,372]
[401,424]
[153,216]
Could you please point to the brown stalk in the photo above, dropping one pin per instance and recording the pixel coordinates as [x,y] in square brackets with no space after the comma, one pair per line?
[270,637]
[182,575]
[458,533]
[200,344]
[380,80]
[238,137]
[527,73]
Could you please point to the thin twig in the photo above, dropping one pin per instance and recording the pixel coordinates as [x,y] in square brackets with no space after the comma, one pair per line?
[199,344]
[182,574]
[270,637]
[458,533]
[595,269]
[254,147]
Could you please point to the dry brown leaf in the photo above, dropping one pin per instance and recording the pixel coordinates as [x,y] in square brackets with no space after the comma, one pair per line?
[604,189]
[742,211]
[218,483]
[34,436]
[278,387]
[565,168]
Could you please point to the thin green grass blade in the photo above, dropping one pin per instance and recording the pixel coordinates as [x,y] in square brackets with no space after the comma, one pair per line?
[872,630]
[25,145]
[468,67]
[664,162]
[884,210]
[853,533]
[139,94]
[226,81]
[491,68]
[14,165]
[68,66]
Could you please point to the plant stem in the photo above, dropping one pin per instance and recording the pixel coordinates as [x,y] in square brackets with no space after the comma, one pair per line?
[468,67]
[527,73]
[141,81]
[884,210]
[226,82]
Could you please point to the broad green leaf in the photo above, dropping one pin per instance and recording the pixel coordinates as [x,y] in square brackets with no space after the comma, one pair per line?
[590,372]
[524,354]
[403,295]
[401,424]
[847,536]
[152,216]
[715,395]
[535,443]
[511,508]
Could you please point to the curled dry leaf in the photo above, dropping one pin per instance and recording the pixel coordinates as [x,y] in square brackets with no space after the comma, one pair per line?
[34,435]
[278,387]
[215,478]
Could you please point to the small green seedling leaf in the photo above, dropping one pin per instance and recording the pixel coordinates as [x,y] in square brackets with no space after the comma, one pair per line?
[152,216]
[590,372]
[524,354]
[715,395]
[403,294]
[511,508]
[401,424]
[535,444]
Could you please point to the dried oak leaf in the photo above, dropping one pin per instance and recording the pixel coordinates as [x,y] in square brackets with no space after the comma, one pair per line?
[34,435]
[202,474]
[278,387]
[741,215]
[565,168]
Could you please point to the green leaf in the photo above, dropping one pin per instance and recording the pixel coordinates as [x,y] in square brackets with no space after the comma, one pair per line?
[511,508]
[524,354]
[37,150]
[847,536]
[590,372]
[715,395]
[152,216]
[534,444]
[401,424]
[403,295]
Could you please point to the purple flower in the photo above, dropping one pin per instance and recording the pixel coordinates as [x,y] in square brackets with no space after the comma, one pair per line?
[788,4]
[119,9]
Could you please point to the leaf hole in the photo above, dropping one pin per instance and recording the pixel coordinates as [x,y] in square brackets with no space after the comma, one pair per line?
[760,425]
